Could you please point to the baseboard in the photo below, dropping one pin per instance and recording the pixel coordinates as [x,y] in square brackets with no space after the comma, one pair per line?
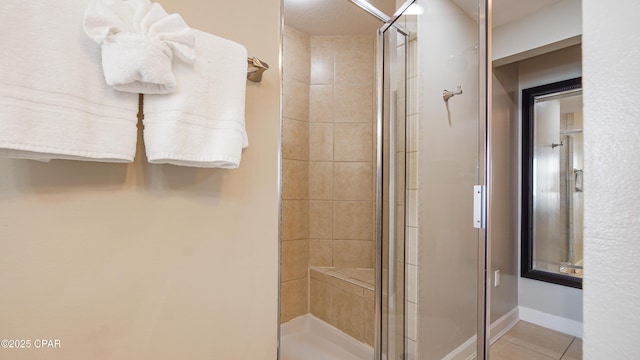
[553,322]
[467,351]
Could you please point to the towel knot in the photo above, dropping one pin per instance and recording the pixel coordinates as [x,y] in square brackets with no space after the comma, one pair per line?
[138,41]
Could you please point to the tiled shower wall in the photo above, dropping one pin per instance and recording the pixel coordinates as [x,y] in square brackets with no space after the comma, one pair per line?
[328,160]
[341,151]
[329,167]
[295,177]
[341,179]
[411,227]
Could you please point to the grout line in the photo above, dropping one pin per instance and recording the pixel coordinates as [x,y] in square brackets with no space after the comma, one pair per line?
[567,349]
[528,348]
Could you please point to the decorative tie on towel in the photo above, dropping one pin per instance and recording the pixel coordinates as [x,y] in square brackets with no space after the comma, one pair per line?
[201,124]
[54,103]
[138,42]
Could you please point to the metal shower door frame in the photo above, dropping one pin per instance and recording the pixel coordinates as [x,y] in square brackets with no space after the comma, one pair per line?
[392,258]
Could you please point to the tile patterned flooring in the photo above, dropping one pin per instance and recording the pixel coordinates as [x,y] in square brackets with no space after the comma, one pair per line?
[526,341]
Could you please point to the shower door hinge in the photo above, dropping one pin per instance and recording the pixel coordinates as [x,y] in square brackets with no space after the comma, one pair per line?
[479,206]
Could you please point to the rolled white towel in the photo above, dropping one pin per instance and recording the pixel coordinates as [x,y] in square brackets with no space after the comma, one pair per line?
[138,41]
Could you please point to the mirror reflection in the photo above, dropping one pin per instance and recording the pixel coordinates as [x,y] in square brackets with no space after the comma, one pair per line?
[555,178]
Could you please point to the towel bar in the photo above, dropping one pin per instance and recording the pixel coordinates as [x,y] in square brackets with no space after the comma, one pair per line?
[255,68]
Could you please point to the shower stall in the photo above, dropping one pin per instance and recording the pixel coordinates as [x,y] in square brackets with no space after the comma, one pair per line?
[383,241]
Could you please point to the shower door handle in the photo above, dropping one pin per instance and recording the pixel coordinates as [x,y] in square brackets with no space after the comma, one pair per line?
[479,206]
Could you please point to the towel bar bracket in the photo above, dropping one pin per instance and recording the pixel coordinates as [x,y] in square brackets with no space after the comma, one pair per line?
[255,68]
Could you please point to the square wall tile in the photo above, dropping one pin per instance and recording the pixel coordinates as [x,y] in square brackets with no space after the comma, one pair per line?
[412,208]
[320,219]
[401,141]
[295,179]
[412,247]
[320,300]
[320,180]
[339,280]
[353,103]
[347,313]
[295,34]
[321,103]
[412,350]
[320,142]
[413,133]
[294,259]
[322,40]
[412,173]
[353,181]
[353,72]
[369,322]
[295,219]
[352,253]
[322,65]
[295,102]
[354,60]
[297,56]
[412,278]
[353,220]
[294,299]
[412,321]
[354,47]
[413,57]
[295,139]
[370,295]
[400,177]
[320,252]
[352,141]
[412,97]
[347,42]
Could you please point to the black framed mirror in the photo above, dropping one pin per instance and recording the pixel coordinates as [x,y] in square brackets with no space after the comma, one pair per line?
[552,183]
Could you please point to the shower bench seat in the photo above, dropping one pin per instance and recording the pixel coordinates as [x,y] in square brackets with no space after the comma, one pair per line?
[344,298]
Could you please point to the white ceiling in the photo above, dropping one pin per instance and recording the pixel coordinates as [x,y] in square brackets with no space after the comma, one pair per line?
[506,11]
[340,17]
[334,17]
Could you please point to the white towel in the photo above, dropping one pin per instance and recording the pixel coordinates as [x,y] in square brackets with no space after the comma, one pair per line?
[54,103]
[138,42]
[201,124]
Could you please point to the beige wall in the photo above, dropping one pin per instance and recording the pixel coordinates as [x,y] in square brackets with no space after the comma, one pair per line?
[504,202]
[151,262]
[551,28]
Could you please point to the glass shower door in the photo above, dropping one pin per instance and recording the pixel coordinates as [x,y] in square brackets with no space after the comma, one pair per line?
[452,117]
[431,163]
